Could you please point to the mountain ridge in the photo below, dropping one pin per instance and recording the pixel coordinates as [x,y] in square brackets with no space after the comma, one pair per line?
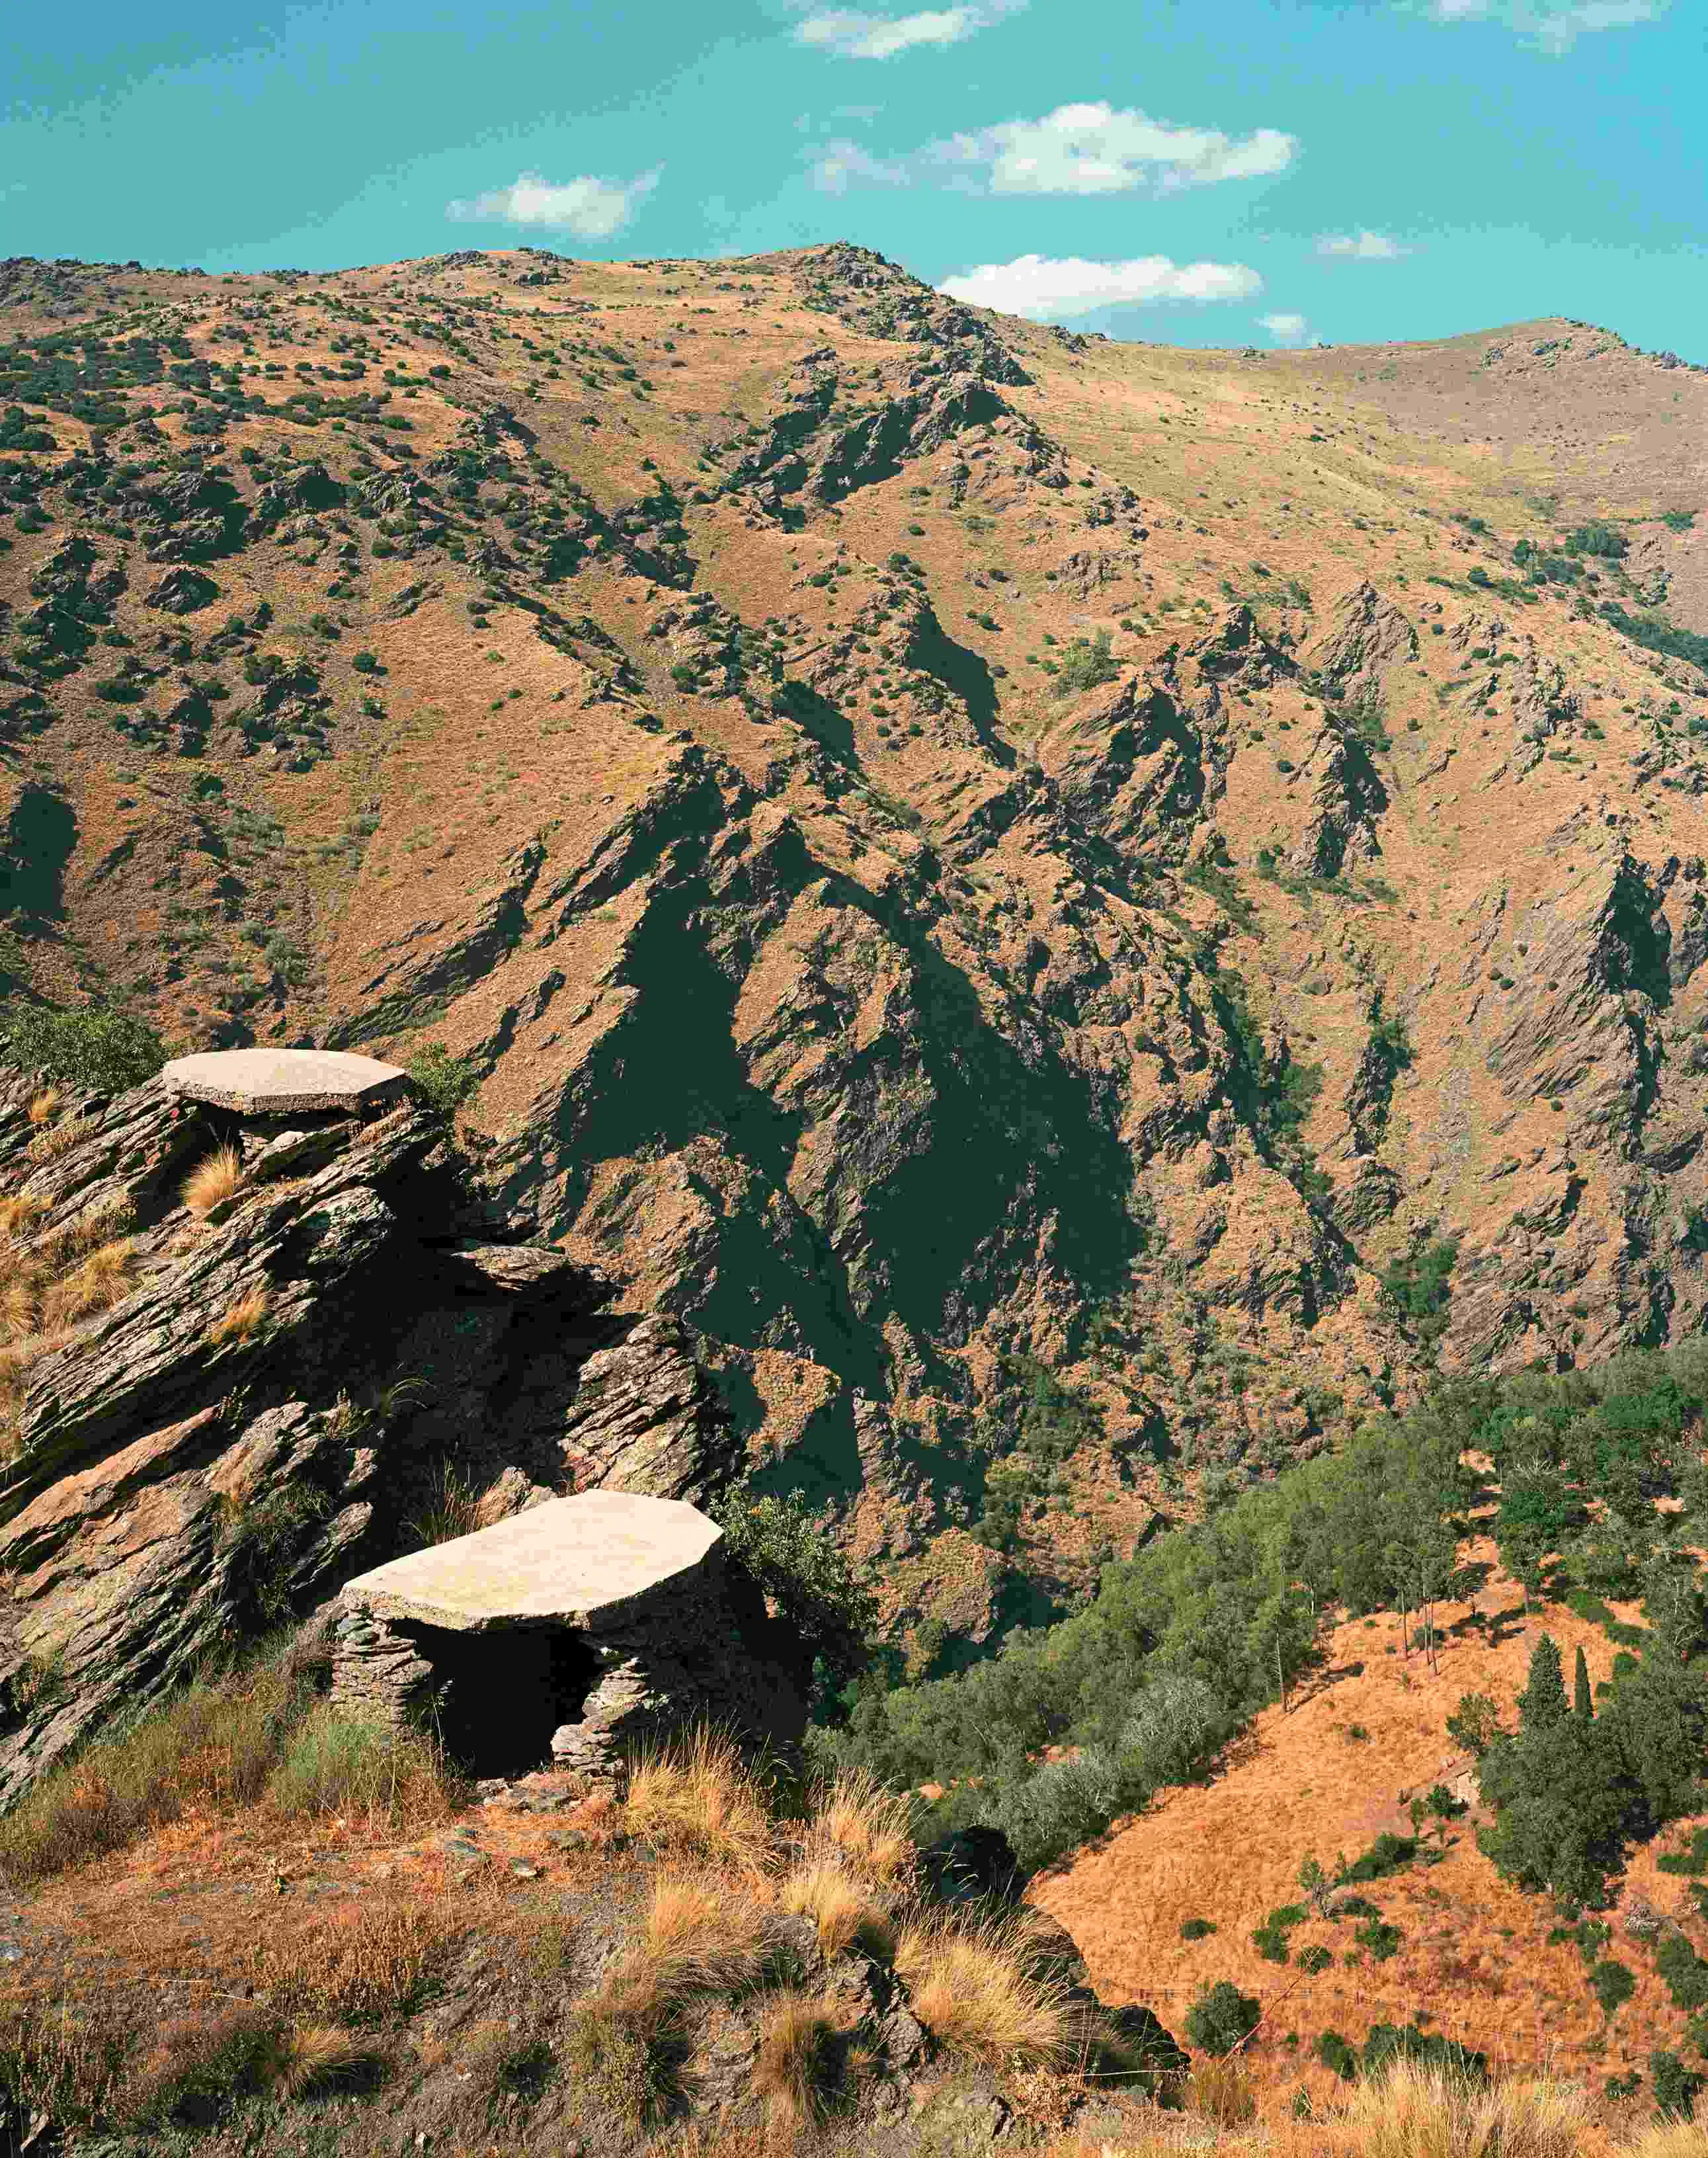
[663,718]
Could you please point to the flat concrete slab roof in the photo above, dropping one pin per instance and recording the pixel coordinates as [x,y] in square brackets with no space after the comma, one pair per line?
[570,1562]
[279,1081]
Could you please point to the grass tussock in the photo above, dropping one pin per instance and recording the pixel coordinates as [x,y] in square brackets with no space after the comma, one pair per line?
[364,1968]
[701,1936]
[19,1214]
[842,1909]
[68,1274]
[970,1986]
[211,1180]
[322,2057]
[700,1798]
[1222,2092]
[866,1830]
[45,1107]
[798,2068]
[106,1276]
[334,1764]
[241,1320]
[453,1507]
[627,2057]
[1413,2111]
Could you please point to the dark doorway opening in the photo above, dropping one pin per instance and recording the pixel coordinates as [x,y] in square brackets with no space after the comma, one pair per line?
[502,1693]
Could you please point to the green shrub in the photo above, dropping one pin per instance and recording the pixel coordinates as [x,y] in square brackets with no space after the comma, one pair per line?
[442,1083]
[1221,2016]
[1386,2043]
[1335,2054]
[1085,665]
[1676,2088]
[809,1579]
[1613,1986]
[1197,1929]
[100,1049]
[1270,1939]
[1388,1854]
[1381,1940]
[366,663]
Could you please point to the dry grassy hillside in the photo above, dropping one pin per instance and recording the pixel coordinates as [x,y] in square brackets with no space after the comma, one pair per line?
[643,679]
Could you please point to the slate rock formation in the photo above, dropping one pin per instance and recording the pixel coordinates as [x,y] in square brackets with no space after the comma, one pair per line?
[179,1477]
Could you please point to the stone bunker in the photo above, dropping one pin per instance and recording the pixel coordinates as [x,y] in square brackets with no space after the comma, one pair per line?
[287,1082]
[569,1635]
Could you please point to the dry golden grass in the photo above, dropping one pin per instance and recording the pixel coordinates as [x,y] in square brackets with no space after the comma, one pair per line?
[701,1936]
[101,1281]
[970,1987]
[1672,2139]
[856,1822]
[842,1909]
[365,1966]
[1418,2111]
[16,1215]
[240,1321]
[211,1180]
[1222,2092]
[797,2068]
[700,1797]
[315,2057]
[43,1106]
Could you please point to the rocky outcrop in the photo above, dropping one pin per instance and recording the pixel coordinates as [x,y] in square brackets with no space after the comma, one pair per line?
[1368,633]
[1347,800]
[258,1417]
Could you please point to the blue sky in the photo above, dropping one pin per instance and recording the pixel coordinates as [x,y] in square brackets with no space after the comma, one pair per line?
[1197,173]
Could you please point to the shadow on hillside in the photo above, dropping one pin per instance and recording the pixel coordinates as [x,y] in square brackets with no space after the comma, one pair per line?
[961,670]
[967,1156]
[40,835]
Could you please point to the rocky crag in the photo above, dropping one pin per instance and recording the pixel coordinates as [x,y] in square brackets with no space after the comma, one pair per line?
[273,1398]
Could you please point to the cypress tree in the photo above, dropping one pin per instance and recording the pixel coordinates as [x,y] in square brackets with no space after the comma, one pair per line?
[1581,1706]
[1543,1701]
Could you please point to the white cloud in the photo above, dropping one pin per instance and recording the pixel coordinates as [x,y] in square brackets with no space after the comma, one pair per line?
[1285,328]
[837,166]
[1043,288]
[591,208]
[851,34]
[1554,24]
[1095,150]
[1361,246]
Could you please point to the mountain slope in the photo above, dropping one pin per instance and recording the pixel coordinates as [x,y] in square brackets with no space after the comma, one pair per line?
[644,678]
